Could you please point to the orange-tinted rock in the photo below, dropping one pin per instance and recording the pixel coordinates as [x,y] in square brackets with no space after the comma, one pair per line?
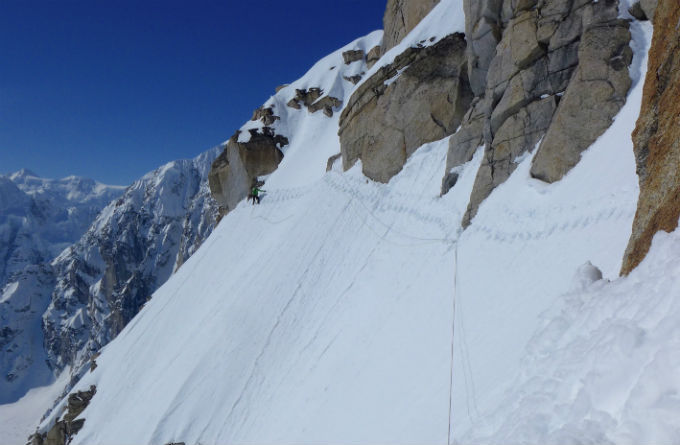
[657,137]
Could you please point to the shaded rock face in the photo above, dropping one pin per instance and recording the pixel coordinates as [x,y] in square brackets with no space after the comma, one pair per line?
[595,94]
[637,12]
[130,250]
[235,170]
[541,71]
[657,138]
[649,8]
[520,131]
[483,31]
[419,98]
[401,16]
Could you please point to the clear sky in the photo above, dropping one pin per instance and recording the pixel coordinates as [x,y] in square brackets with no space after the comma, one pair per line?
[113,89]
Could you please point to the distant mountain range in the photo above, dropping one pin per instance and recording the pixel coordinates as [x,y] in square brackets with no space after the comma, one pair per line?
[78,258]
[38,219]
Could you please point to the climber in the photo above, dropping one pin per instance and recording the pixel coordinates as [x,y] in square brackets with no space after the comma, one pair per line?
[254,194]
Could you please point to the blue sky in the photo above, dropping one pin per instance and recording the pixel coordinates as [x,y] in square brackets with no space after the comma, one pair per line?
[113,89]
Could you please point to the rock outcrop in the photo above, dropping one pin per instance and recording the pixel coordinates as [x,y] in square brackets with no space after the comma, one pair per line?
[372,56]
[233,172]
[314,100]
[421,97]
[63,430]
[595,94]
[649,8]
[401,16]
[540,71]
[327,104]
[353,55]
[657,138]
[265,115]
[354,79]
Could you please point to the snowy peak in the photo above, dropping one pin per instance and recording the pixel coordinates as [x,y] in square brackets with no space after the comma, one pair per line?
[132,248]
[54,214]
[69,190]
[38,219]
[22,174]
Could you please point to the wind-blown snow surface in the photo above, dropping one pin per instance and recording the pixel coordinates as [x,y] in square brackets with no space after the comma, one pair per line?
[325,313]
[297,320]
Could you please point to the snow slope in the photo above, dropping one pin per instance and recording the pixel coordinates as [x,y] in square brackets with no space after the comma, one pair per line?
[310,313]
[325,314]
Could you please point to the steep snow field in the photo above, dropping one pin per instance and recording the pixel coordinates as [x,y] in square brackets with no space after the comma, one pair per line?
[325,313]
[296,322]
[343,310]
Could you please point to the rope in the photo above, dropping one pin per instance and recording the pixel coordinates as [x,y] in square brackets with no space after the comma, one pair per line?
[453,331]
[389,228]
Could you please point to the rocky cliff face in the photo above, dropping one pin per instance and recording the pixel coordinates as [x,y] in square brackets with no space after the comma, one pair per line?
[540,71]
[419,98]
[401,16]
[236,169]
[309,103]
[132,248]
[529,74]
[38,218]
[657,137]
